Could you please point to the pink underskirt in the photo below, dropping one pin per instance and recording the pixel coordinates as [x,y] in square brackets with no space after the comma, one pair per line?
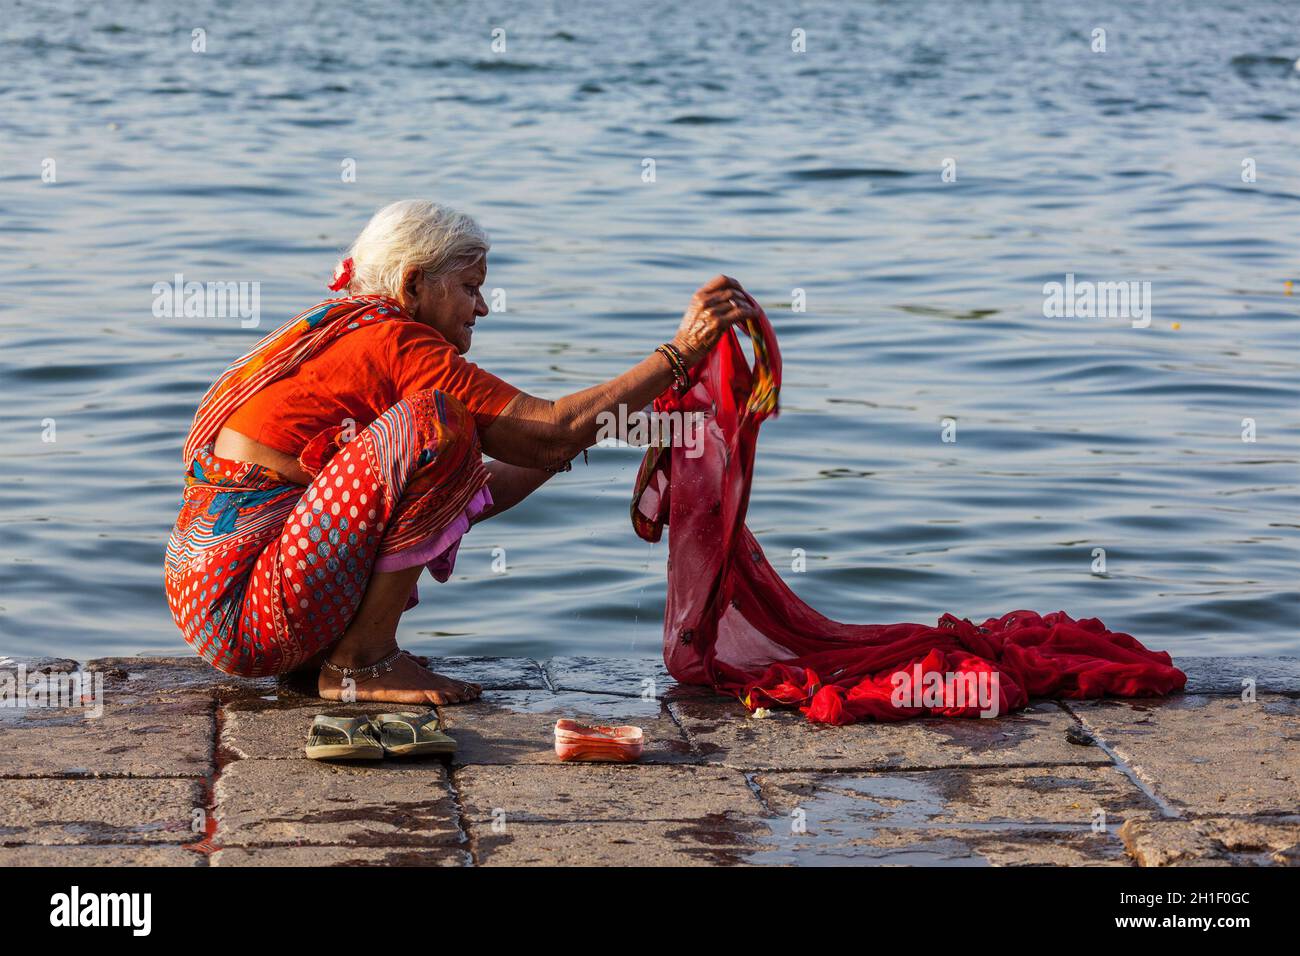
[438,551]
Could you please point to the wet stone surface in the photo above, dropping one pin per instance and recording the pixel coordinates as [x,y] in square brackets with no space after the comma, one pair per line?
[492,673]
[309,802]
[120,855]
[1071,796]
[276,729]
[341,856]
[518,727]
[703,842]
[1028,815]
[721,732]
[572,793]
[598,814]
[43,665]
[1225,675]
[953,846]
[143,676]
[52,811]
[1214,842]
[1207,755]
[1197,779]
[172,739]
[629,677]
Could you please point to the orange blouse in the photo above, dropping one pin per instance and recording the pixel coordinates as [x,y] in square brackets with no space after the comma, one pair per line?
[359,377]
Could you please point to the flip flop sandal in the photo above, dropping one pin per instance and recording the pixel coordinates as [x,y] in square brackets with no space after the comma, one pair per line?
[578,741]
[343,738]
[409,735]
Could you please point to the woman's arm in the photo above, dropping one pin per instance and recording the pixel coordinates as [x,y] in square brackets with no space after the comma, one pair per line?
[536,433]
[510,485]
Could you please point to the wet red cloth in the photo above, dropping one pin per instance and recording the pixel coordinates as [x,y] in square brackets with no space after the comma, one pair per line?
[733,624]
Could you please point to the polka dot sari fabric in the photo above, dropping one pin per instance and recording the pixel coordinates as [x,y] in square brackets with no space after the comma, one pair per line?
[261,573]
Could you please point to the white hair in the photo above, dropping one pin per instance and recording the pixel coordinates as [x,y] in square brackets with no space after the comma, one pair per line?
[413,232]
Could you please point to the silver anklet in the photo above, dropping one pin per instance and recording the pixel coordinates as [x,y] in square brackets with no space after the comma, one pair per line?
[364,672]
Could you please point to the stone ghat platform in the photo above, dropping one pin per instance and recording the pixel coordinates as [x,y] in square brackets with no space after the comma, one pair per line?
[189,767]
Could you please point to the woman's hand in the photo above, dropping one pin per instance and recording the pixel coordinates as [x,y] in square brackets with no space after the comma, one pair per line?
[534,433]
[716,306]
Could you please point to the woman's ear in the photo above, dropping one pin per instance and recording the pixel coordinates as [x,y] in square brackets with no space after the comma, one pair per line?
[411,286]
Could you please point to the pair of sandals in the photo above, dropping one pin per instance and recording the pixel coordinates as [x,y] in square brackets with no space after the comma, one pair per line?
[370,738]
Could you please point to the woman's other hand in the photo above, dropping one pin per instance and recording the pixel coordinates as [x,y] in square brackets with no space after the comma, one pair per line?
[716,306]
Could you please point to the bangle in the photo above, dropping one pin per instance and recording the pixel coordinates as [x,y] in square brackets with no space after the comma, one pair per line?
[677,354]
[677,367]
[681,375]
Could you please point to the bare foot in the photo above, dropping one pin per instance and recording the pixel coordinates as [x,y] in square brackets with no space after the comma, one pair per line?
[407,683]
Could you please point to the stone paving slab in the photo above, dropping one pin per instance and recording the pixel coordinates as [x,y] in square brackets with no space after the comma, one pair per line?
[254,728]
[949,846]
[120,855]
[518,727]
[649,843]
[1002,816]
[342,856]
[1224,675]
[609,814]
[722,732]
[503,727]
[1213,842]
[627,676]
[1070,796]
[492,673]
[580,793]
[1196,779]
[171,737]
[309,802]
[150,675]
[92,811]
[106,691]
[42,665]
[1207,755]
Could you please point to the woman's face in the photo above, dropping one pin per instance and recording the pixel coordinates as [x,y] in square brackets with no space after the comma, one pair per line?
[452,306]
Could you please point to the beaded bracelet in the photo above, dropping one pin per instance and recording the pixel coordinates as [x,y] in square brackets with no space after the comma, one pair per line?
[681,375]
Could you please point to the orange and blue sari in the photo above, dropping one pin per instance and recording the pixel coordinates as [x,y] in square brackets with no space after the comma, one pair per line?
[262,573]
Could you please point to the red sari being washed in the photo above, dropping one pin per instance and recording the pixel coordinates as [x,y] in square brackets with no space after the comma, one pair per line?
[732,623]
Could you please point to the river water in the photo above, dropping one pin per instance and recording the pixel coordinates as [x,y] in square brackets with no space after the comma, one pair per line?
[913,179]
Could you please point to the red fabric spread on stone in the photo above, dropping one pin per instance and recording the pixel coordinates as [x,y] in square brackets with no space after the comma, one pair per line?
[733,624]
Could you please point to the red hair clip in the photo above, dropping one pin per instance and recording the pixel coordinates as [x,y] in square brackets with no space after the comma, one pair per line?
[342,275]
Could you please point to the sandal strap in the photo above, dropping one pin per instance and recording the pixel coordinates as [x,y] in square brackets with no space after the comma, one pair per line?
[412,721]
[347,726]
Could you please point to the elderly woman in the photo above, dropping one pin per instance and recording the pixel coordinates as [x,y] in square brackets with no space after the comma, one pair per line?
[343,454]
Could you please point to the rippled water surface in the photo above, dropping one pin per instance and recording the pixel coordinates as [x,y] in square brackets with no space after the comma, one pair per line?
[818,171]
